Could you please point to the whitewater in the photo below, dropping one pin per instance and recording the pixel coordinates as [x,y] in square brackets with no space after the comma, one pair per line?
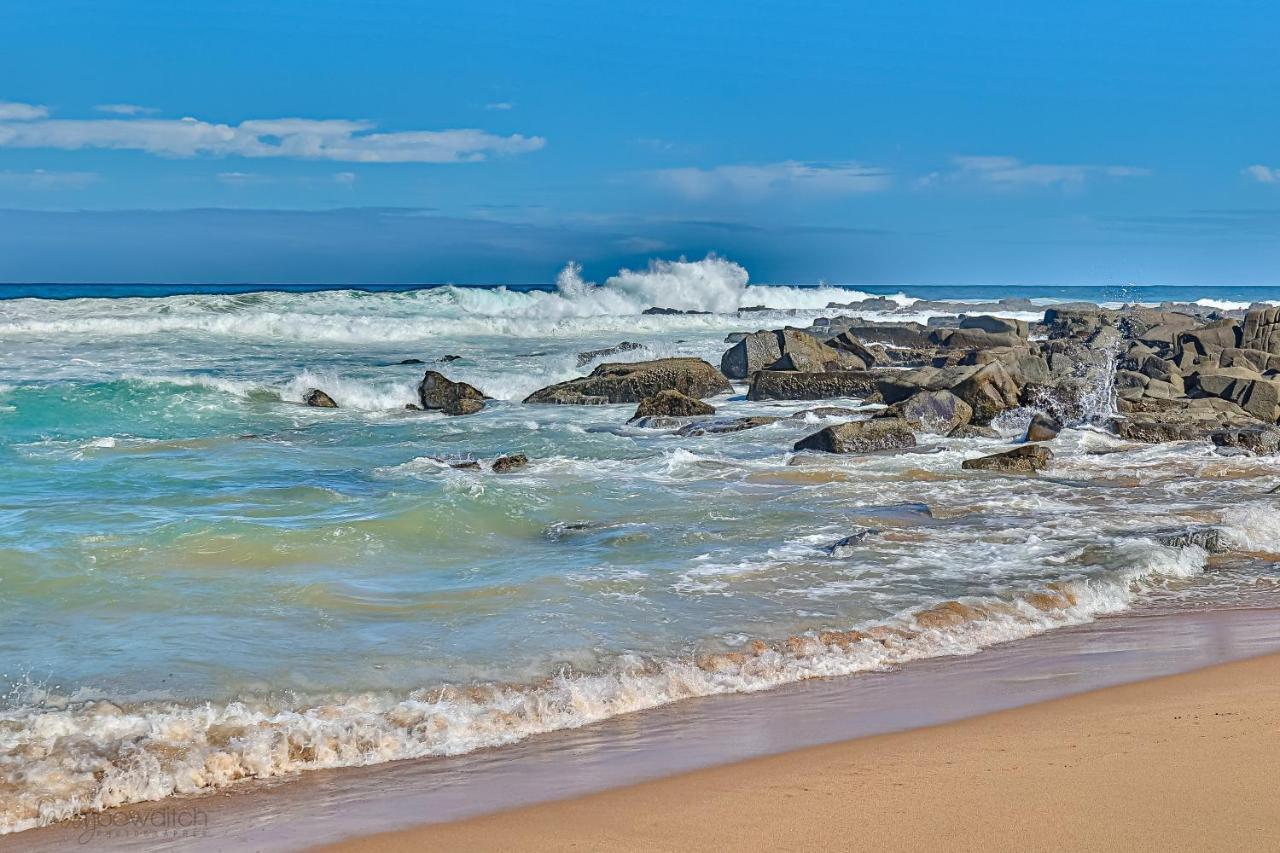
[205,582]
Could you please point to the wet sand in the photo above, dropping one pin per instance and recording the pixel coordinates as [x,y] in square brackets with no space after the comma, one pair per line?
[1185,762]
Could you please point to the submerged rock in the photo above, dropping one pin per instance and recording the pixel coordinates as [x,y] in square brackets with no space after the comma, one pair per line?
[848,546]
[1259,440]
[937,412]
[509,462]
[585,358]
[672,404]
[1026,459]
[1208,538]
[319,400]
[860,437]
[721,427]
[632,382]
[438,393]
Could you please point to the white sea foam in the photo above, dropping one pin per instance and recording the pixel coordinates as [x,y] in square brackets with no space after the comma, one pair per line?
[78,757]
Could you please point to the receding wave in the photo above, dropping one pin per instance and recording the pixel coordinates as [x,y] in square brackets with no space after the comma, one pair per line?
[74,757]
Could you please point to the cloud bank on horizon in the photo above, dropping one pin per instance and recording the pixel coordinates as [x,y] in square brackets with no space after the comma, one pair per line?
[946,140]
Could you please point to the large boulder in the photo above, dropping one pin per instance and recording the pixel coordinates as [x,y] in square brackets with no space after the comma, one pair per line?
[937,412]
[790,385]
[1026,459]
[995,325]
[1213,338]
[751,353]
[1256,439]
[860,437]
[438,393]
[848,343]
[632,382]
[989,391]
[1042,428]
[785,349]
[672,404]
[912,335]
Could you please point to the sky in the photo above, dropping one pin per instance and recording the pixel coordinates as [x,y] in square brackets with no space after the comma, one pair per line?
[917,141]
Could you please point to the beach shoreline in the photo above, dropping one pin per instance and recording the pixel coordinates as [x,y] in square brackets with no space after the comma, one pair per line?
[1178,762]
[672,743]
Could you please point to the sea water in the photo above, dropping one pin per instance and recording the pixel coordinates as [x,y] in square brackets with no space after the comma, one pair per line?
[204,581]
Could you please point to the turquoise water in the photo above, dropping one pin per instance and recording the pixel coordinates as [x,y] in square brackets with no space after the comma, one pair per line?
[203,580]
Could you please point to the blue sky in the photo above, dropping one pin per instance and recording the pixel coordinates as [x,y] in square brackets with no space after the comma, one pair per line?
[906,142]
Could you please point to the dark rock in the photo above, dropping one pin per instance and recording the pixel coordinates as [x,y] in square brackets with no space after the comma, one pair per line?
[412,361]
[444,359]
[319,400]
[437,393]
[825,412]
[895,334]
[468,465]
[860,437]
[789,385]
[1260,440]
[632,382]
[1026,459]
[848,343]
[720,427]
[1042,428]
[989,391]
[848,546]
[657,422]
[671,404]
[509,462]
[995,325]
[1261,330]
[585,358]
[1208,538]
[669,311]
[973,431]
[803,352]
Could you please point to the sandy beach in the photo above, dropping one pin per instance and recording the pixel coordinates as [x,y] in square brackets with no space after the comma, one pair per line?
[1177,763]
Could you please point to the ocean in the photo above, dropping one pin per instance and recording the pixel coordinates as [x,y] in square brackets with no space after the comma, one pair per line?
[204,581]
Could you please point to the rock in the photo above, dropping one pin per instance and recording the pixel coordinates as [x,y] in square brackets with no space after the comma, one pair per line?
[437,393]
[418,360]
[1042,428]
[860,437]
[848,343]
[1208,538]
[585,358]
[751,353]
[912,335]
[784,349]
[319,400]
[1070,322]
[789,385]
[974,339]
[1261,330]
[937,412]
[669,311]
[995,325]
[848,546]
[825,412]
[467,465]
[973,431]
[1215,337]
[509,462]
[444,359]
[720,427]
[672,404]
[1260,440]
[1026,459]
[988,391]
[632,382]
[657,422]
[734,337]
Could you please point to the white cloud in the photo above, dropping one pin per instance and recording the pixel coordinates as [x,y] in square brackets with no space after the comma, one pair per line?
[253,179]
[500,105]
[125,109]
[308,139]
[39,179]
[345,178]
[759,181]
[14,111]
[1263,174]
[1010,172]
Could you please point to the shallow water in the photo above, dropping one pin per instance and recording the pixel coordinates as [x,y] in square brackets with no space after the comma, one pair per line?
[203,580]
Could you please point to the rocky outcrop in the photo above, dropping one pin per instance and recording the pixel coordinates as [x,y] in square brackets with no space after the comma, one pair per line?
[860,437]
[671,404]
[1026,459]
[1208,538]
[785,349]
[319,400]
[790,385]
[726,426]
[1261,330]
[437,393]
[632,382]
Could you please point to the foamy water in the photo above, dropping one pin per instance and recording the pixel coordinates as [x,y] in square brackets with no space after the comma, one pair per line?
[206,582]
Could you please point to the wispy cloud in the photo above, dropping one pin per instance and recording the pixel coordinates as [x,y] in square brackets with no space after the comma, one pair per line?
[1263,174]
[1012,173]
[126,109]
[306,139]
[14,111]
[762,180]
[500,105]
[39,179]
[254,179]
